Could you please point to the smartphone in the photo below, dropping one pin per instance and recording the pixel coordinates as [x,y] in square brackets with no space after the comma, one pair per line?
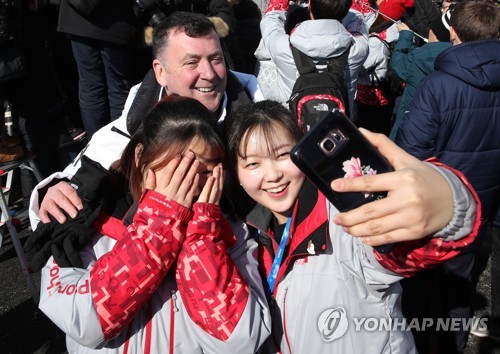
[335,148]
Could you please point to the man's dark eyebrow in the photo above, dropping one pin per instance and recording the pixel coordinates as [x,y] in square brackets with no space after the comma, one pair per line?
[191,56]
[216,53]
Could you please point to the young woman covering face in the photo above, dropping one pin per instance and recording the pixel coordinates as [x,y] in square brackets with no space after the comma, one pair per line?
[164,272]
[320,279]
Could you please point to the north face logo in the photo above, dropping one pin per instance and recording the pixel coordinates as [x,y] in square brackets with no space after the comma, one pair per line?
[321,107]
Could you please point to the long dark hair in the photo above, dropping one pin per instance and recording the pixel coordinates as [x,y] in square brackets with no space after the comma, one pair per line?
[164,133]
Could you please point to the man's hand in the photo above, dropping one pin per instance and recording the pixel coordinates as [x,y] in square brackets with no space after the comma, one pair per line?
[419,201]
[60,197]
[402,27]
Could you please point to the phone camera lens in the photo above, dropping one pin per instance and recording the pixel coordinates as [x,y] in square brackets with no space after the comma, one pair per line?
[328,145]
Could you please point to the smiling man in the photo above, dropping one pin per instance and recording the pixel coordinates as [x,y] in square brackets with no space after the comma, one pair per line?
[188,61]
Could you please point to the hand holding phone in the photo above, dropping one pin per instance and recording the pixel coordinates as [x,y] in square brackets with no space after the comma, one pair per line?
[335,148]
[419,201]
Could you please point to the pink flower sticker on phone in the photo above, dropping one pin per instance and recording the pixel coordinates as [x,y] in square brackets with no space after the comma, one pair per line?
[353,168]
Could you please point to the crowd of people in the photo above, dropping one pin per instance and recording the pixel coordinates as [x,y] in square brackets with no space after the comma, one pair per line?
[184,226]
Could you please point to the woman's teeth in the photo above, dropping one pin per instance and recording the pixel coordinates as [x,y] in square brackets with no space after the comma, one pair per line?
[276,190]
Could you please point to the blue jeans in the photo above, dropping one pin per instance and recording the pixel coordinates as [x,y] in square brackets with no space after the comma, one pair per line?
[103,86]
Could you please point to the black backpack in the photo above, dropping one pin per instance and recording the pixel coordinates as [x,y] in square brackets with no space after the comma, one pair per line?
[316,91]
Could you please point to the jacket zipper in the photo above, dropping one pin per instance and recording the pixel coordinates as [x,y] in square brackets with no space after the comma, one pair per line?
[173,310]
[284,322]
[149,328]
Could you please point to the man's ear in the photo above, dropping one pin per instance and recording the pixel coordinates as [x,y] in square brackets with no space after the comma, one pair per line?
[160,73]
[454,39]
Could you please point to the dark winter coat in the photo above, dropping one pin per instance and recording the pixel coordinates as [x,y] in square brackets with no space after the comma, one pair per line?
[455,116]
[411,64]
[420,16]
[111,21]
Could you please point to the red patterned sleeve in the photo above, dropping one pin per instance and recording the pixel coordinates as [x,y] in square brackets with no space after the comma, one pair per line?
[277,5]
[363,6]
[124,279]
[408,258]
[212,288]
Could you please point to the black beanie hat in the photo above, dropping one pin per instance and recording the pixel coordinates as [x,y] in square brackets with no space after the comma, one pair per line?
[441,27]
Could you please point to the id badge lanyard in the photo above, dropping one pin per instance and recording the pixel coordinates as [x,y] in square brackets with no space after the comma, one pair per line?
[278,258]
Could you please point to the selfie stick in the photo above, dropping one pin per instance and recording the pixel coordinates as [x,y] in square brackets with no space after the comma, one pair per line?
[391,19]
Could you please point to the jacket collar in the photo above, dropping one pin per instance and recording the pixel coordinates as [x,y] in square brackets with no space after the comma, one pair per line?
[309,228]
[321,38]
[475,63]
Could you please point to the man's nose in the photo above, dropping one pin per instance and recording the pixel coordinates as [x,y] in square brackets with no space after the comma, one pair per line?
[207,71]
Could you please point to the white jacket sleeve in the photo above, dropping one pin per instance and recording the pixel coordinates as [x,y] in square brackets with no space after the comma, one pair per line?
[356,26]
[277,43]
[65,297]
[105,147]
[410,257]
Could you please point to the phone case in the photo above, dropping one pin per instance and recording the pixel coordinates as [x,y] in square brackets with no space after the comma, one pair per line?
[335,148]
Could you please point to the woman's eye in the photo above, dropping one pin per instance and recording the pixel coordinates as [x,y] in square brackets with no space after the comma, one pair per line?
[283,155]
[251,165]
[205,173]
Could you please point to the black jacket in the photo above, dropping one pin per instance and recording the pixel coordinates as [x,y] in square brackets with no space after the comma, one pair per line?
[112,21]
[420,16]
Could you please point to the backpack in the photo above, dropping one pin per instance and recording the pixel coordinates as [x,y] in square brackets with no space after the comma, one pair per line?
[316,91]
[390,84]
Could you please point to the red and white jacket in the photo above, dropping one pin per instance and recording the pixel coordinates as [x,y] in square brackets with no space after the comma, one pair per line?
[330,283]
[174,281]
